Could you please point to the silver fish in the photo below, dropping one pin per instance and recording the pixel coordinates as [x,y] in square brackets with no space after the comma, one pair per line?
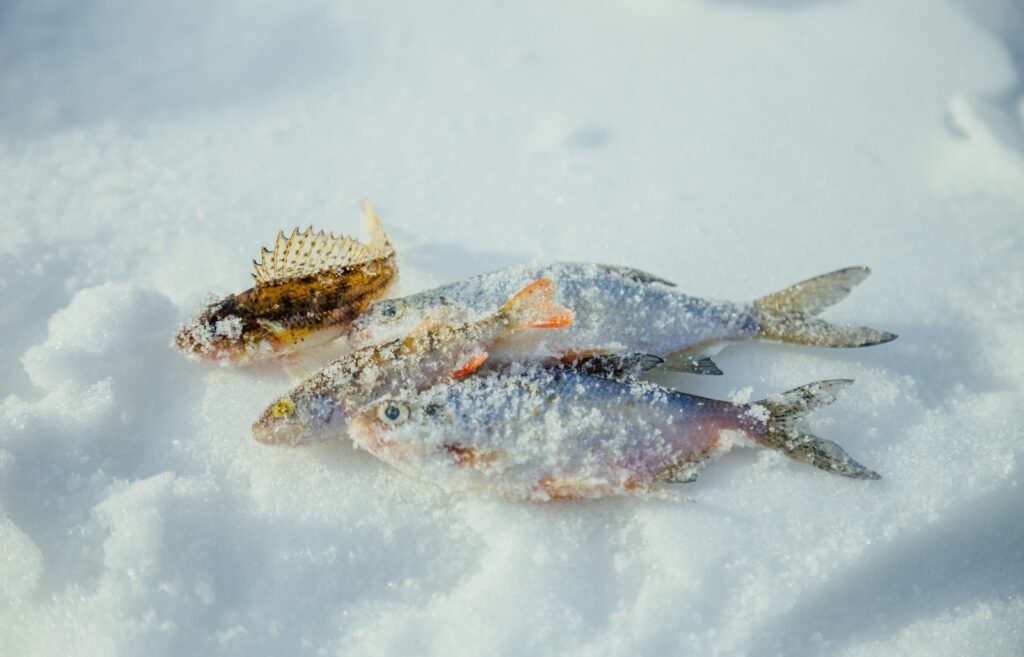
[556,433]
[619,309]
[440,348]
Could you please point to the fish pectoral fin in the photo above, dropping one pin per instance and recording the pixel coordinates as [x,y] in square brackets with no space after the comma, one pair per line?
[307,253]
[689,361]
[471,457]
[470,366]
[535,306]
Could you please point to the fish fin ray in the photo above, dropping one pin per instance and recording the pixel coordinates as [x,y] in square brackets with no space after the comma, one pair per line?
[785,433]
[637,275]
[534,306]
[470,366]
[690,362]
[789,315]
[306,253]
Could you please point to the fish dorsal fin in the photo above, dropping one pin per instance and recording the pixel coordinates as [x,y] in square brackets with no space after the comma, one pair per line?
[374,231]
[637,275]
[306,253]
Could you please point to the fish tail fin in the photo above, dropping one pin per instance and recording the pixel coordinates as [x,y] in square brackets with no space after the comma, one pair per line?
[785,433]
[534,306]
[789,315]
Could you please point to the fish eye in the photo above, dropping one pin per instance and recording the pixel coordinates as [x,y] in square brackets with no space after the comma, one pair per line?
[283,408]
[392,413]
[390,310]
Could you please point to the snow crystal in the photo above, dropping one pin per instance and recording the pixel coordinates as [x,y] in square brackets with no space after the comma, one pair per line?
[732,147]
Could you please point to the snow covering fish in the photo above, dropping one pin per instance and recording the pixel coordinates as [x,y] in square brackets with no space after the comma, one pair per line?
[307,291]
[619,309]
[436,350]
[557,433]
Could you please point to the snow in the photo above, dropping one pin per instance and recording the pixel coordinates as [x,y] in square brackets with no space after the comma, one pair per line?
[732,146]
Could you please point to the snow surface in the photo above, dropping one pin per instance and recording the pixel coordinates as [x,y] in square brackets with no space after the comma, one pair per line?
[734,146]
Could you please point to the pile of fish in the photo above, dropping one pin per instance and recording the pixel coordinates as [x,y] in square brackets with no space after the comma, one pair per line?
[526,383]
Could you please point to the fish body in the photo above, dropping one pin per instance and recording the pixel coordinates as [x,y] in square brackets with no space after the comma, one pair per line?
[439,348]
[619,309]
[307,292]
[557,433]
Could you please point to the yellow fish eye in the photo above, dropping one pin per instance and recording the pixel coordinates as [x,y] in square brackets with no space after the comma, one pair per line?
[283,408]
[392,413]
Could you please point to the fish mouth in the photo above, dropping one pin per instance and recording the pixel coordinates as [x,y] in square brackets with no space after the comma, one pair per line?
[278,433]
[368,433]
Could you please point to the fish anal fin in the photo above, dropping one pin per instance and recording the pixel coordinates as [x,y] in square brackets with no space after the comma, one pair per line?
[470,366]
[690,361]
[617,365]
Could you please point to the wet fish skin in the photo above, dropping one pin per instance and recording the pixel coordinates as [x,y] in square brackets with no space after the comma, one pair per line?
[556,433]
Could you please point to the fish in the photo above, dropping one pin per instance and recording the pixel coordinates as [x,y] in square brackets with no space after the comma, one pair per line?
[440,348]
[541,433]
[620,309]
[307,290]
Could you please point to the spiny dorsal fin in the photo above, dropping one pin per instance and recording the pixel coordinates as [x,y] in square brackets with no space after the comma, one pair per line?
[374,231]
[306,253]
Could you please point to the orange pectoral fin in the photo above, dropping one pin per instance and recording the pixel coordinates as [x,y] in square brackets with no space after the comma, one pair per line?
[534,307]
[470,366]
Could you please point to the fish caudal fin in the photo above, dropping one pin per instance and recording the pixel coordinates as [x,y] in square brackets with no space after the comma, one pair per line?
[789,315]
[785,433]
[534,307]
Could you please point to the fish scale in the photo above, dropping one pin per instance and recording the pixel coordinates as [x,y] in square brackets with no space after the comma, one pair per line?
[556,433]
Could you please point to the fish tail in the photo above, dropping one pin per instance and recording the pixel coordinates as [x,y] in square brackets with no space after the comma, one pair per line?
[790,314]
[785,433]
[534,307]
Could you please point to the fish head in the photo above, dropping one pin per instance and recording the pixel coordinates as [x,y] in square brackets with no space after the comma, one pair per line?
[383,321]
[301,417]
[224,330]
[387,320]
[396,429]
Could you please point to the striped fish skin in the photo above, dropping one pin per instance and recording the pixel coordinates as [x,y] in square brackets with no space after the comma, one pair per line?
[549,433]
[308,289]
[616,309]
[286,317]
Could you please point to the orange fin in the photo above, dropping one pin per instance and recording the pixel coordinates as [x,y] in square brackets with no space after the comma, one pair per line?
[470,366]
[534,307]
